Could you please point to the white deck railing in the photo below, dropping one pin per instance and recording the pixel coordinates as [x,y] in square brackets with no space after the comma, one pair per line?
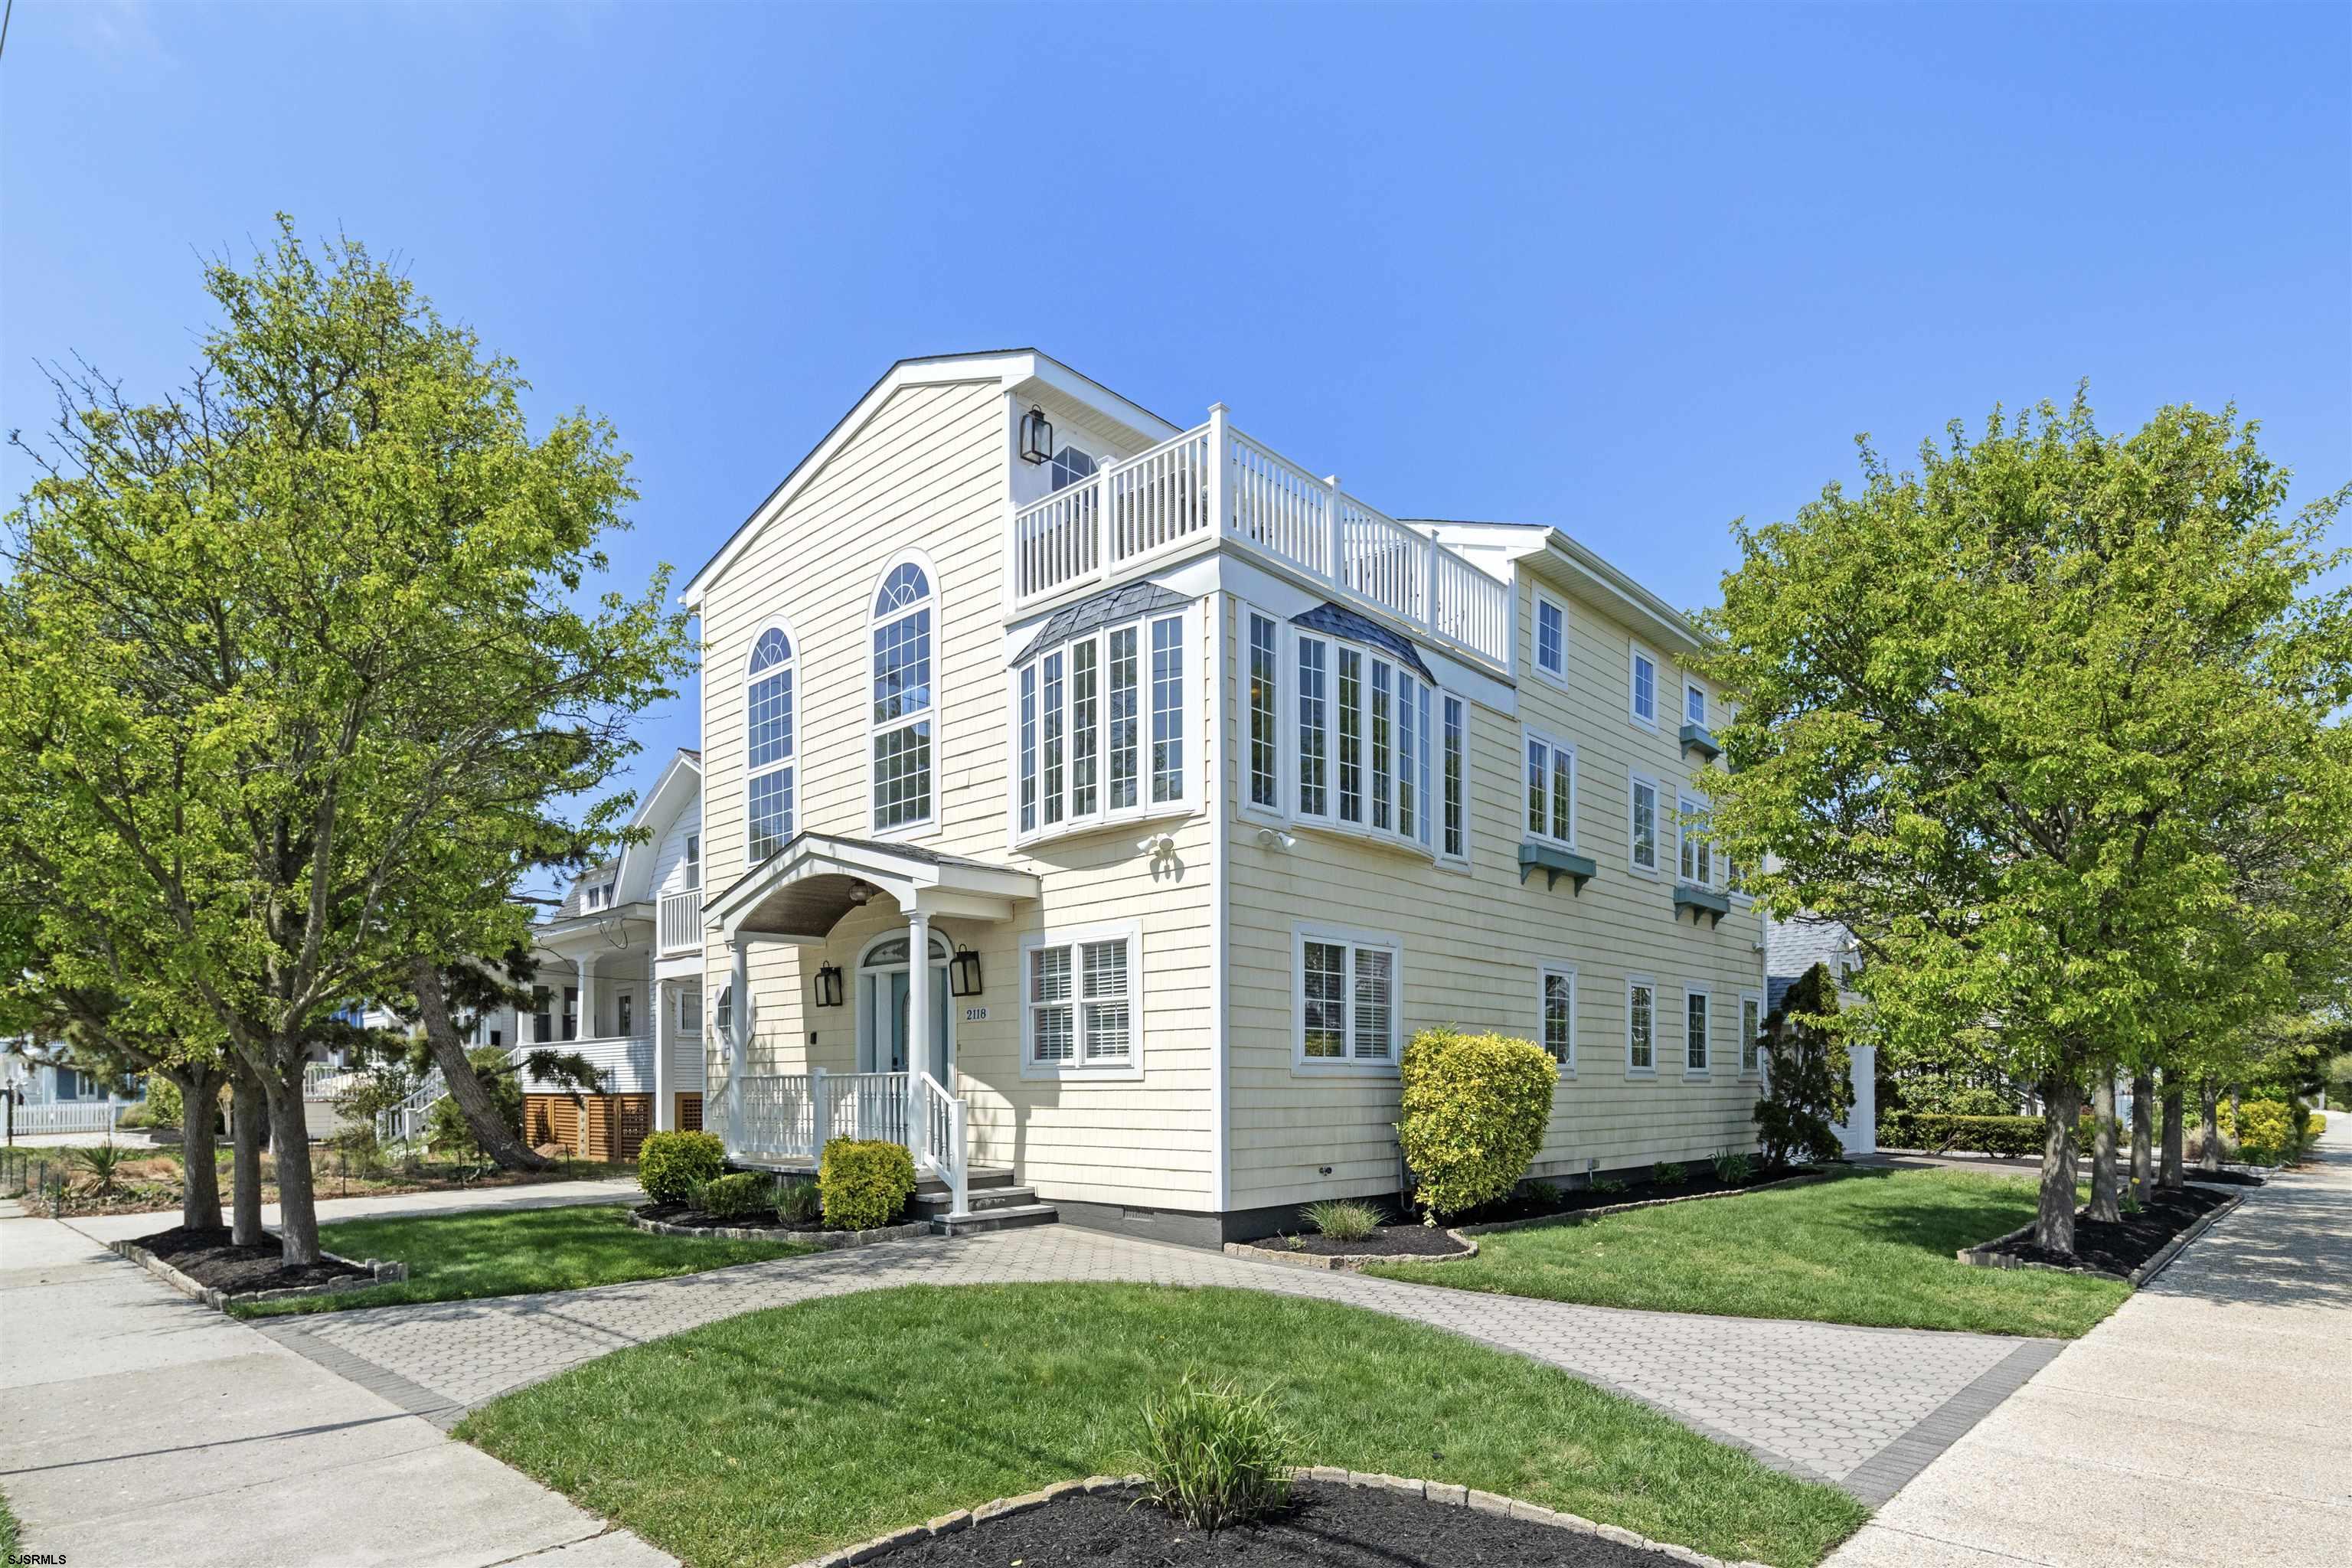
[791,1116]
[679,921]
[1215,485]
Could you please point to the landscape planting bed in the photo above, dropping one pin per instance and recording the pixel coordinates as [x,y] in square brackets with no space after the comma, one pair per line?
[2126,1249]
[763,1225]
[205,1264]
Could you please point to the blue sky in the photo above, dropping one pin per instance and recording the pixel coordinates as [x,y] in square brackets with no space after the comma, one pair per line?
[1636,270]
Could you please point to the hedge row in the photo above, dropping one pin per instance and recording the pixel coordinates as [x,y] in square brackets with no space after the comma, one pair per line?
[1976,1135]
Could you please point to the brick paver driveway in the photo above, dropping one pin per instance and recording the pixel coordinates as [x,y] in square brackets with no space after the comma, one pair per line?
[1860,1407]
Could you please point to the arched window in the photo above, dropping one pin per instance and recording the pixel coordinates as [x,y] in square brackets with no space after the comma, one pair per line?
[768,745]
[904,702]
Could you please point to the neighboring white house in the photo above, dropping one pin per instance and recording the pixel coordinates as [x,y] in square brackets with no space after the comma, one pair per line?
[1202,785]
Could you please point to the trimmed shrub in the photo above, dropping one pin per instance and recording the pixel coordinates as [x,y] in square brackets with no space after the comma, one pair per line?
[731,1197]
[1974,1134]
[1343,1219]
[1472,1116]
[2265,1132]
[863,1184]
[671,1165]
[1214,1456]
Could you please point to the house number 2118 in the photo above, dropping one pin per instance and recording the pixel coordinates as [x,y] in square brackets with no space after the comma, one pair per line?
[975,1014]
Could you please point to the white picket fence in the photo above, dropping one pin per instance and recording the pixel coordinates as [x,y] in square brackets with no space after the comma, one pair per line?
[65,1116]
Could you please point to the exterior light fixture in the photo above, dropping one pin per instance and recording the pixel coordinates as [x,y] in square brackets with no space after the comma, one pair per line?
[1036,435]
[963,974]
[828,985]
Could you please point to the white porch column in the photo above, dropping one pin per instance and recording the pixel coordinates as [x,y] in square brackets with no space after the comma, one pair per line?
[918,1022]
[664,1113]
[738,1037]
[586,965]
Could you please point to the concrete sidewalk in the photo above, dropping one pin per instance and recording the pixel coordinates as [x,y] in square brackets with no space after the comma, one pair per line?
[2208,1423]
[139,1428]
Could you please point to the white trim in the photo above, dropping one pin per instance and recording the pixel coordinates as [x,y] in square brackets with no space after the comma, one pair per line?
[1529,738]
[1541,599]
[1076,938]
[931,714]
[1634,777]
[1246,799]
[1104,814]
[1706,702]
[1221,1113]
[1355,942]
[1698,1074]
[1647,982]
[867,1047]
[1688,805]
[1446,702]
[790,763]
[1545,974]
[1750,1032]
[1636,655]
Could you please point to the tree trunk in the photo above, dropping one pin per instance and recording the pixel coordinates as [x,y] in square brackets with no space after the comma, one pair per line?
[2053,1221]
[2171,1175]
[2103,1194]
[2143,1140]
[247,1117]
[199,1086]
[2209,1102]
[491,1133]
[297,1214]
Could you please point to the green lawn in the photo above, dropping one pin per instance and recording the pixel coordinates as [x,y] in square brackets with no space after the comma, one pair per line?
[9,1543]
[1866,1247]
[514,1252]
[770,1437]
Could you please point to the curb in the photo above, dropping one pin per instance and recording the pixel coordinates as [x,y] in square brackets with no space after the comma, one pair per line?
[1441,1494]
[1347,1262]
[820,1240]
[1981,1255]
[380,1272]
[2173,1248]
[1493,1227]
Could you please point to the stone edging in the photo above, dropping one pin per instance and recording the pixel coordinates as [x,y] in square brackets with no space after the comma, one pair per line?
[379,1272]
[1346,1262]
[1981,1256]
[822,1240]
[1502,1224]
[1440,1493]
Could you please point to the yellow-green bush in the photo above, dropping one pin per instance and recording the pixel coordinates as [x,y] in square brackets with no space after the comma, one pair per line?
[1472,1116]
[671,1165]
[2265,1131]
[732,1197]
[864,1183]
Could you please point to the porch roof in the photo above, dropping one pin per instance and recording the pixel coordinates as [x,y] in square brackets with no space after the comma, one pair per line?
[802,891]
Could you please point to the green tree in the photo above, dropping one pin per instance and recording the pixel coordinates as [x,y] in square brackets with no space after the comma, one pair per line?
[285,648]
[1808,1074]
[1989,714]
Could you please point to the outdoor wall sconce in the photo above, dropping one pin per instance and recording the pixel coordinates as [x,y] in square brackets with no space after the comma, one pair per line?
[963,974]
[828,985]
[1036,435]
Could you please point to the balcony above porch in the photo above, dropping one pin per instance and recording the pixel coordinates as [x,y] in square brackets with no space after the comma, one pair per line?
[1213,488]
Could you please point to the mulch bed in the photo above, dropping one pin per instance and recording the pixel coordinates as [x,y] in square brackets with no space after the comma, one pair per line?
[1702,1182]
[2120,1247]
[691,1218]
[209,1257]
[1414,1240]
[1325,1527]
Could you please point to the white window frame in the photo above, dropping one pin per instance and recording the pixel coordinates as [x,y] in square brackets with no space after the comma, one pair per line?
[1529,738]
[1634,779]
[1751,1055]
[1545,974]
[1705,1069]
[1282,777]
[1633,983]
[1076,938]
[1706,704]
[1706,857]
[1454,717]
[927,824]
[1355,942]
[789,763]
[1032,670]
[1425,761]
[1544,601]
[1634,662]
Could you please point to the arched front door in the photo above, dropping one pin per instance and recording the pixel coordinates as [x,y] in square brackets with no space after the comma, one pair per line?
[883,981]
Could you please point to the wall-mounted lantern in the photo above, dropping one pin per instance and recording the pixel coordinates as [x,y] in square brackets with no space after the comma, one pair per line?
[828,985]
[963,974]
[1036,435]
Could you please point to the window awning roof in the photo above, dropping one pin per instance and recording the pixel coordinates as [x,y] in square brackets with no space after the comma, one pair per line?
[1338,621]
[801,892]
[1108,608]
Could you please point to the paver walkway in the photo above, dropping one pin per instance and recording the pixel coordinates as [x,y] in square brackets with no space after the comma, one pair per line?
[137,1428]
[1823,1401]
[2208,1423]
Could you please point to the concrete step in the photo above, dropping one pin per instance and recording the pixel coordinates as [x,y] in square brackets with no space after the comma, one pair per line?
[931,1206]
[986,1220]
[982,1178]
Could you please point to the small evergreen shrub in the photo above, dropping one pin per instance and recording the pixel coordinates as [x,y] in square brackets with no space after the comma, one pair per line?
[1733,1167]
[1668,1174]
[863,1183]
[797,1200]
[732,1197]
[1545,1194]
[1214,1456]
[671,1165]
[1810,1077]
[1607,1184]
[1342,1219]
[1472,1110]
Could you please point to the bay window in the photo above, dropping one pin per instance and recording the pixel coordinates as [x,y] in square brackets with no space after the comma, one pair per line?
[1314,726]
[1079,722]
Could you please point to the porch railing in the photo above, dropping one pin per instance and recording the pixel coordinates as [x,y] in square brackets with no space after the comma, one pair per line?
[679,921]
[1213,483]
[791,1116]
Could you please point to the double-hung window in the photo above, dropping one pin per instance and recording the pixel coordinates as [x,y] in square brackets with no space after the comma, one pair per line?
[1551,639]
[1644,693]
[1695,704]
[1265,712]
[1551,789]
[1641,1024]
[1751,1030]
[1456,841]
[768,745]
[1078,728]
[903,706]
[1081,1001]
[1644,824]
[1556,1000]
[1696,1006]
[1699,861]
[1346,998]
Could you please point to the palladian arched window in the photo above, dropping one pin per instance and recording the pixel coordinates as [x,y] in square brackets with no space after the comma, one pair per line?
[904,704]
[768,745]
